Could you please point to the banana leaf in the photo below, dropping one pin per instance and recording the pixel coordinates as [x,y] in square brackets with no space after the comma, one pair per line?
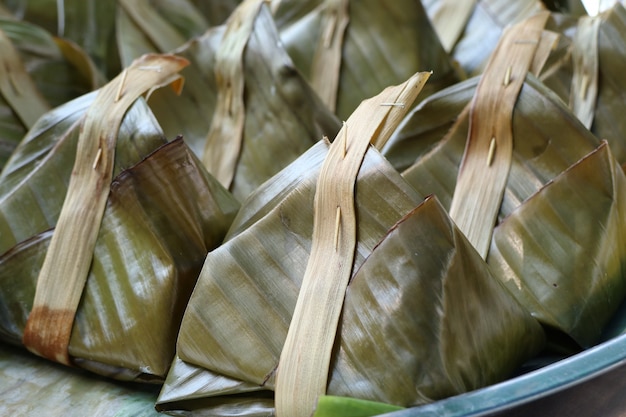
[46,73]
[329,406]
[605,74]
[384,43]
[216,12]
[88,23]
[104,30]
[191,116]
[34,182]
[548,140]
[155,26]
[33,386]
[149,250]
[58,72]
[395,316]
[34,185]
[428,147]
[562,252]
[481,31]
[283,117]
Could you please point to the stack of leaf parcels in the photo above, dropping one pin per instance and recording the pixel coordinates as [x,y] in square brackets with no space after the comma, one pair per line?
[230,238]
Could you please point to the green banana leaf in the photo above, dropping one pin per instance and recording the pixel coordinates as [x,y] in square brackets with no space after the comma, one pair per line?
[32,386]
[448,290]
[58,75]
[59,71]
[191,115]
[562,252]
[4,12]
[384,43]
[332,406]
[283,117]
[608,105]
[88,23]
[548,139]
[216,11]
[149,251]
[34,181]
[155,26]
[483,28]
[104,30]
[252,279]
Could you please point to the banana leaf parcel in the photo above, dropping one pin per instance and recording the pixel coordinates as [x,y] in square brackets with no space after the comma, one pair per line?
[411,328]
[351,50]
[428,147]
[563,251]
[162,215]
[549,142]
[246,111]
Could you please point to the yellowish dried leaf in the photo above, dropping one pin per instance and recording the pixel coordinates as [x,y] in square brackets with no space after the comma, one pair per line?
[487,159]
[67,262]
[305,359]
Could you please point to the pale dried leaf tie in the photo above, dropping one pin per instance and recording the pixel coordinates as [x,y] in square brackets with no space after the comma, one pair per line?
[488,154]
[326,64]
[224,140]
[586,72]
[64,272]
[305,359]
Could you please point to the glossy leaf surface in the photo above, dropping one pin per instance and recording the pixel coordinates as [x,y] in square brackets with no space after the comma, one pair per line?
[385,43]
[149,251]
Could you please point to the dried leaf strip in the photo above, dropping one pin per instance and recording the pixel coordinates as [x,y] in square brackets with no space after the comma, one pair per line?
[305,358]
[225,136]
[487,159]
[326,66]
[67,262]
[584,92]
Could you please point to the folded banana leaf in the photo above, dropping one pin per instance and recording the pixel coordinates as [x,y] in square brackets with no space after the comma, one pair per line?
[351,50]
[34,182]
[548,139]
[428,147]
[282,117]
[589,77]
[562,251]
[164,26]
[411,329]
[39,72]
[471,33]
[217,11]
[162,216]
